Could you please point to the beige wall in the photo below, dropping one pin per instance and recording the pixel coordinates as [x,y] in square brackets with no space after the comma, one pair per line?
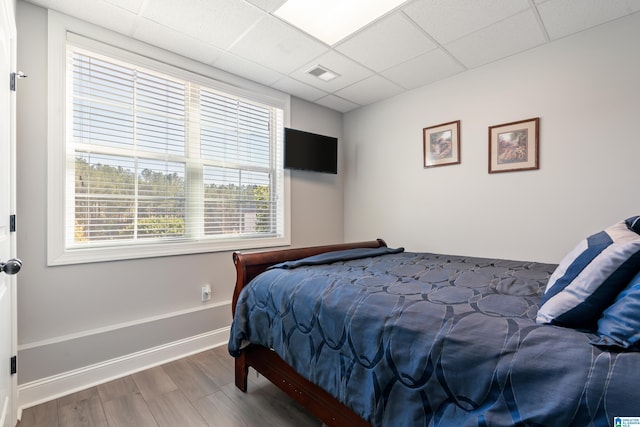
[317,208]
[585,89]
[79,315]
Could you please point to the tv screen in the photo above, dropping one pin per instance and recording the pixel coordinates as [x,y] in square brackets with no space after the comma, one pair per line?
[310,151]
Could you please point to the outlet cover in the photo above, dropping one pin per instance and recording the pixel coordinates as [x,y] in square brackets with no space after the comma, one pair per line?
[206,292]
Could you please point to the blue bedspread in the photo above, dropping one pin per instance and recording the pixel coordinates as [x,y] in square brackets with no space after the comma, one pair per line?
[418,339]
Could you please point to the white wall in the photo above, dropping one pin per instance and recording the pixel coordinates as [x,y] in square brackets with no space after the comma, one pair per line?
[586,91]
[318,208]
[71,317]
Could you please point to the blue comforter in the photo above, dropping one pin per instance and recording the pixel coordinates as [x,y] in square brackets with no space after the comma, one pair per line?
[418,339]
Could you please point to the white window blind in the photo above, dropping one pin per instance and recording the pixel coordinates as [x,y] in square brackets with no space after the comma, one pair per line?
[155,158]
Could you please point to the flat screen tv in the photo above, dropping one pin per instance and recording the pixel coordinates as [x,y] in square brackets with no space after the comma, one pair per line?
[310,151]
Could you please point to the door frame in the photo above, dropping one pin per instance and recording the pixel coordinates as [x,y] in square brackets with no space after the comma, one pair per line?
[9,14]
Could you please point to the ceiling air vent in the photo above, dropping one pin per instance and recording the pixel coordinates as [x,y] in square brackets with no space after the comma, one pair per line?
[322,73]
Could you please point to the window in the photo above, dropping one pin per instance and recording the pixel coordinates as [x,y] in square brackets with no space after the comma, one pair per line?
[160,161]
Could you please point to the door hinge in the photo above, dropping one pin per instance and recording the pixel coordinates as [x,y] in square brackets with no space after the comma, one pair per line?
[12,223]
[13,78]
[14,365]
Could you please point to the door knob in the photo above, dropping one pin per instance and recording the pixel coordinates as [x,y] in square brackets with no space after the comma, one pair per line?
[12,266]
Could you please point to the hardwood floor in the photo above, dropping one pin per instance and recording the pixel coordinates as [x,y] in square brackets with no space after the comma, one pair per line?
[194,391]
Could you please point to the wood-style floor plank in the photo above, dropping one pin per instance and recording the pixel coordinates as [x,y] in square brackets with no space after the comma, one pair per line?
[43,415]
[129,411]
[272,406]
[82,409]
[195,391]
[219,409]
[153,382]
[190,379]
[117,388]
[216,364]
[173,409]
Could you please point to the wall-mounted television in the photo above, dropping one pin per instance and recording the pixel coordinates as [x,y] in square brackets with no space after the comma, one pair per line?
[310,151]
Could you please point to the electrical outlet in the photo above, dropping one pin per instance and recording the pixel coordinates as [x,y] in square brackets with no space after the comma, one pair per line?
[206,292]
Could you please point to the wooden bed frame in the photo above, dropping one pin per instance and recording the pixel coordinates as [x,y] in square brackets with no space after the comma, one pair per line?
[265,361]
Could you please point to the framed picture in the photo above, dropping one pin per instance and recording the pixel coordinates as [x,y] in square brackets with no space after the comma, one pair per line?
[514,146]
[441,144]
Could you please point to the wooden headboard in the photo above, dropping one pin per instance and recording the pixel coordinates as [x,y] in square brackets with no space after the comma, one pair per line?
[249,265]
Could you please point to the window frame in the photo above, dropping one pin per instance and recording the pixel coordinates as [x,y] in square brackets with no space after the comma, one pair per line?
[62,30]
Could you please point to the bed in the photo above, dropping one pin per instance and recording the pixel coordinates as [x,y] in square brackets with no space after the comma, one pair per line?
[365,335]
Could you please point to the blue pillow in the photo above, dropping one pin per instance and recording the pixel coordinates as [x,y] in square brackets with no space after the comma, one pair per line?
[590,277]
[619,325]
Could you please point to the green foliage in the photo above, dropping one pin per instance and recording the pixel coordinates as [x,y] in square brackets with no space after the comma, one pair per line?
[111,204]
[160,226]
[263,208]
[103,179]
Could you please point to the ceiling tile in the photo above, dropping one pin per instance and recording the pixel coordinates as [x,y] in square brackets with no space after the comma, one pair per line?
[417,44]
[174,41]
[100,13]
[508,37]
[562,17]
[247,69]
[130,5]
[387,42]
[299,89]
[369,90]
[427,68]
[47,4]
[219,22]
[349,72]
[268,5]
[337,103]
[448,20]
[278,46]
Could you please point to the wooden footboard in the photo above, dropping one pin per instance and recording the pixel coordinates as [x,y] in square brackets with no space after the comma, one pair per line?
[265,361]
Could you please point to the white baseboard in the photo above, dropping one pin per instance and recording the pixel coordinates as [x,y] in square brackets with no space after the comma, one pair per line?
[46,389]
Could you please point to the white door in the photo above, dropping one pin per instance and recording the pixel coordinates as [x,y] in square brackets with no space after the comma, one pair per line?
[7,204]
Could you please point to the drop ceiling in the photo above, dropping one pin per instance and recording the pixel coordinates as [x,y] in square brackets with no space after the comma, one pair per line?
[419,43]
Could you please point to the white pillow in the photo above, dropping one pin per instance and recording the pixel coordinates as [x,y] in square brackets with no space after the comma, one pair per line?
[590,277]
